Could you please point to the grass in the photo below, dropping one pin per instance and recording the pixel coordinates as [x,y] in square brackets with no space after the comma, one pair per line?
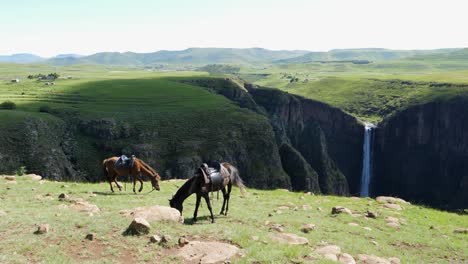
[26,204]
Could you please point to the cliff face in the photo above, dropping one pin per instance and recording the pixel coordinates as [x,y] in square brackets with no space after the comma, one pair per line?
[328,139]
[421,154]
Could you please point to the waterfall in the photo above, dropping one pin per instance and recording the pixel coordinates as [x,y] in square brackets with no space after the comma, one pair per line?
[367,159]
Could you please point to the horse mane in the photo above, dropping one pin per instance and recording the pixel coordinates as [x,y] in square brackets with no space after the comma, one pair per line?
[186,189]
[149,168]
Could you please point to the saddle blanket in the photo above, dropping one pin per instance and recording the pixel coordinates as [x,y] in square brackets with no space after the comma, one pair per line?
[124,162]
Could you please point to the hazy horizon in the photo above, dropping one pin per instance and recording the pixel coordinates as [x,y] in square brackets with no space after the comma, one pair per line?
[49,27]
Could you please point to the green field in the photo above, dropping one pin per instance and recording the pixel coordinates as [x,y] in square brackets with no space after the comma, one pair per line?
[425,237]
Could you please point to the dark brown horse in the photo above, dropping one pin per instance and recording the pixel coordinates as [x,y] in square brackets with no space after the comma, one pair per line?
[139,167]
[201,186]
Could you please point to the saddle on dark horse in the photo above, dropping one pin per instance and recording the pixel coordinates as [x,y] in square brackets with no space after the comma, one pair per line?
[125,162]
[214,175]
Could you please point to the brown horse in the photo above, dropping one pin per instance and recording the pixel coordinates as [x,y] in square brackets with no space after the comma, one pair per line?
[139,167]
[201,186]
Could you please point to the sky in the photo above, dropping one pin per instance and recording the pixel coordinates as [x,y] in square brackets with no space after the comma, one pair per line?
[51,27]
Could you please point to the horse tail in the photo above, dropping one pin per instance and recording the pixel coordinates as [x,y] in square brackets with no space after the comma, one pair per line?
[104,168]
[236,179]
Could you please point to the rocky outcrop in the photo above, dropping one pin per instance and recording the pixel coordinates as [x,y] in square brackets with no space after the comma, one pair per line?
[328,139]
[421,154]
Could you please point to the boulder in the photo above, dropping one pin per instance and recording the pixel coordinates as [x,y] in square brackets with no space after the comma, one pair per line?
[389,199]
[85,207]
[10,178]
[183,241]
[290,239]
[341,209]
[328,250]
[155,239]
[90,236]
[166,239]
[393,225]
[370,259]
[277,228]
[371,214]
[307,228]
[139,226]
[34,177]
[42,229]
[393,206]
[346,258]
[394,260]
[155,213]
[207,252]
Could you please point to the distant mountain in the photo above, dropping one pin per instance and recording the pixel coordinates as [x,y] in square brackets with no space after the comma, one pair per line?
[61,56]
[454,55]
[195,56]
[361,54]
[21,58]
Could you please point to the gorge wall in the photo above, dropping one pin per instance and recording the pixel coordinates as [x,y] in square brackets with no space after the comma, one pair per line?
[421,154]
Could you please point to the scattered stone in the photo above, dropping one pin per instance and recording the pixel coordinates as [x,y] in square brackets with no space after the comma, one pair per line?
[270,215]
[2,213]
[391,219]
[319,209]
[329,252]
[296,208]
[306,207]
[278,212]
[90,236]
[34,177]
[393,225]
[375,242]
[62,206]
[10,178]
[42,229]
[461,231]
[277,228]
[255,238]
[155,239]
[11,182]
[393,206]
[183,241]
[308,193]
[340,209]
[64,186]
[63,197]
[346,258]
[353,224]
[139,226]
[290,239]
[166,239]
[371,214]
[356,215]
[389,199]
[207,252]
[367,228]
[307,228]
[155,213]
[370,259]
[394,260]
[302,197]
[85,207]
[283,208]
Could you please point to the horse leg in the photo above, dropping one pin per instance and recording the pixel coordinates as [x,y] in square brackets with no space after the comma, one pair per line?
[110,182]
[141,183]
[134,182]
[228,195]
[117,183]
[196,208]
[208,203]
[224,200]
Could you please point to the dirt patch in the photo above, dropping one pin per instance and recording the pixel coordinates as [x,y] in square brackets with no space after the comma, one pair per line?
[207,252]
[94,250]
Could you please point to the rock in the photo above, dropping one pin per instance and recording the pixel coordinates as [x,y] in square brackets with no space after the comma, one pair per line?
[394,260]
[375,243]
[166,239]
[371,214]
[319,209]
[307,228]
[461,231]
[290,239]
[278,211]
[11,182]
[391,219]
[183,241]
[353,224]
[207,252]
[329,249]
[393,225]
[389,199]
[139,226]
[90,236]
[340,209]
[155,213]
[331,257]
[277,228]
[393,206]
[42,229]
[2,213]
[34,177]
[370,259]
[283,208]
[306,207]
[255,238]
[155,239]
[63,197]
[10,178]
[85,207]
[346,258]
[367,228]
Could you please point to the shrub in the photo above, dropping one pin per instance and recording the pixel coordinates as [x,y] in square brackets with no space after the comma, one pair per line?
[8,105]
[21,171]
[44,109]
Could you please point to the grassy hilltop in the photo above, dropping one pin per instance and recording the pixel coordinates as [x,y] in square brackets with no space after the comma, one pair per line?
[424,235]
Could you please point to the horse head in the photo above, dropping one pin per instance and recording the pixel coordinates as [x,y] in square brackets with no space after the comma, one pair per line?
[155,182]
[176,204]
